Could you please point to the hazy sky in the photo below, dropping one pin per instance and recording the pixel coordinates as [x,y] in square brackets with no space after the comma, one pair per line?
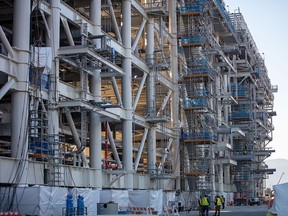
[268,23]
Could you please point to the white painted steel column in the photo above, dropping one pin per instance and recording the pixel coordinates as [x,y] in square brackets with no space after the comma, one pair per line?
[212,171]
[227,176]
[53,115]
[175,95]
[95,119]
[151,105]
[127,95]
[20,98]
[220,177]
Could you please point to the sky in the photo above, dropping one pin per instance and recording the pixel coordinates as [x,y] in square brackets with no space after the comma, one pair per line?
[268,23]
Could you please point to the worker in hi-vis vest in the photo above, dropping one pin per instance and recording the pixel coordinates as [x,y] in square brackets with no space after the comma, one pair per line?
[223,201]
[218,204]
[205,205]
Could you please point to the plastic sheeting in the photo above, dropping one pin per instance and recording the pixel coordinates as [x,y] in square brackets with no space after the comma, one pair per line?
[136,198]
[37,200]
[91,198]
[21,199]
[117,196]
[42,58]
[280,206]
[51,200]
[147,199]
[46,201]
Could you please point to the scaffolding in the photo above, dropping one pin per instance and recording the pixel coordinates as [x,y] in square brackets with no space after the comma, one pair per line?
[199,103]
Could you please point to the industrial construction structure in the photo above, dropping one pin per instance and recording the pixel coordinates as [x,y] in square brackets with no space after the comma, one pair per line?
[132,95]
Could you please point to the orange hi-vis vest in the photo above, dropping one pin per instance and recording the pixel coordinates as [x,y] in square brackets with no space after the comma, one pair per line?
[204,201]
[218,201]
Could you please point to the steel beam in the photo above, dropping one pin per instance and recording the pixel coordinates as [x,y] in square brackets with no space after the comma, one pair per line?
[138,7]
[114,149]
[166,151]
[6,87]
[6,43]
[75,136]
[141,86]
[139,33]
[140,149]
[79,49]
[116,91]
[67,31]
[114,21]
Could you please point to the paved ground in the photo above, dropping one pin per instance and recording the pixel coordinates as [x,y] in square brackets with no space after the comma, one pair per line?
[228,211]
[235,211]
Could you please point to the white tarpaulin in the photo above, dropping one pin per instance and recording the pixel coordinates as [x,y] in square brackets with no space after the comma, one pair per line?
[52,200]
[169,197]
[21,199]
[126,200]
[152,199]
[42,58]
[46,201]
[36,200]
[117,196]
[280,205]
[91,198]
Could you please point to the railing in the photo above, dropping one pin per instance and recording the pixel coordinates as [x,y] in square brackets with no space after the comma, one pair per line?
[194,103]
[225,14]
[198,71]
[199,136]
[196,8]
[192,40]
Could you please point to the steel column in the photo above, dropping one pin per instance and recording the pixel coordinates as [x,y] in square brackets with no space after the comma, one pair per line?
[227,175]
[20,99]
[175,95]
[95,119]
[220,178]
[55,164]
[151,104]
[127,94]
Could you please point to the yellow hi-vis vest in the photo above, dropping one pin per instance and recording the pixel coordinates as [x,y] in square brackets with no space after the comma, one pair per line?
[218,201]
[204,201]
